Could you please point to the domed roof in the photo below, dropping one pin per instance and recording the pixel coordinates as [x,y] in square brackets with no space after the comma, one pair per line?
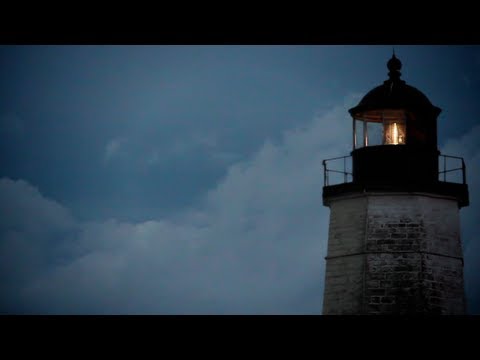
[394,93]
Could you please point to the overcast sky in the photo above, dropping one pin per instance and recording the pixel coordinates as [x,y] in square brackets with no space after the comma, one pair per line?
[188,179]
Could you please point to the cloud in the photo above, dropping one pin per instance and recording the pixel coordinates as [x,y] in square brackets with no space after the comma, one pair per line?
[35,234]
[21,203]
[254,246]
[153,157]
[206,145]
[112,148]
[225,157]
[194,142]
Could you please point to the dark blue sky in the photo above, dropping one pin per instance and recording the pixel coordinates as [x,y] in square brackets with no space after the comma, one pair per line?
[191,175]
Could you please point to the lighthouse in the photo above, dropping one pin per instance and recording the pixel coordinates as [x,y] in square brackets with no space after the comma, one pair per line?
[394,243]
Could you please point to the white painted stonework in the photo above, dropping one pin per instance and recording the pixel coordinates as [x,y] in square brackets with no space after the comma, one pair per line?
[394,253]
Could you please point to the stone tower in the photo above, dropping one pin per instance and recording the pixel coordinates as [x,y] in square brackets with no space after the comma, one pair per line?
[394,238]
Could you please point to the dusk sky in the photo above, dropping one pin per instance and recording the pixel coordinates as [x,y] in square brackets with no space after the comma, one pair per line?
[188,179]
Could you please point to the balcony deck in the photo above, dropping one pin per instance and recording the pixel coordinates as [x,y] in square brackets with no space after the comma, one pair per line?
[369,172]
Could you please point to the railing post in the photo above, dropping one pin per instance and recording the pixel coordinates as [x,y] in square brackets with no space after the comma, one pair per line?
[444,168]
[344,169]
[324,173]
[354,135]
[463,172]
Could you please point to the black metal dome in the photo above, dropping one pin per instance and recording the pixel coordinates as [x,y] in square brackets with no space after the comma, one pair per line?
[394,93]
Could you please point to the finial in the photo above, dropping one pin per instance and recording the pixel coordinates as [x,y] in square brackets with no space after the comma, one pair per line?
[394,65]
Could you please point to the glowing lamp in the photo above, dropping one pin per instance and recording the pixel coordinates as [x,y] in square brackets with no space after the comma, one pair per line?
[394,133]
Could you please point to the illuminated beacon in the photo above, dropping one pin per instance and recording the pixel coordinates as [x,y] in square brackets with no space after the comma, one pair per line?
[394,238]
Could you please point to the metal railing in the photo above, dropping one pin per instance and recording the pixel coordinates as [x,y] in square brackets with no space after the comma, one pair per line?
[327,171]
[340,167]
[445,170]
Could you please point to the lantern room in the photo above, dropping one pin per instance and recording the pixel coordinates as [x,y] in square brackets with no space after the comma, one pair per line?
[395,113]
[394,134]
[394,145]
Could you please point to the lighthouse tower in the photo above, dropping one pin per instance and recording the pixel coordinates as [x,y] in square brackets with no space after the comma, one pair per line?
[394,238]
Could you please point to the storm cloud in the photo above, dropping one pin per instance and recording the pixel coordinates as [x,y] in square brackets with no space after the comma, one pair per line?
[255,245]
